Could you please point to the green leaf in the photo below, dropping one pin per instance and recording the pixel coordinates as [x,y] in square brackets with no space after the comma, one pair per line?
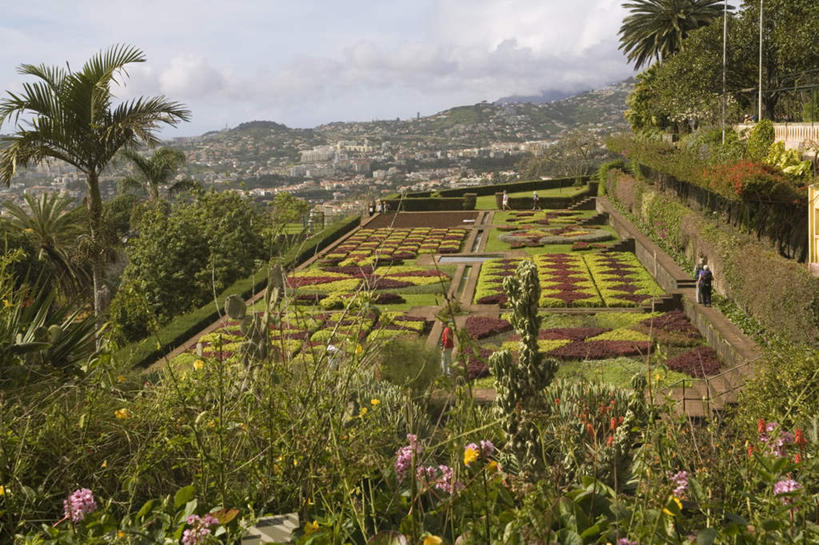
[706,536]
[145,509]
[183,496]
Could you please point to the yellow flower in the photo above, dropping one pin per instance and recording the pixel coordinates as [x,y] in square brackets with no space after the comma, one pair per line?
[358,350]
[2,490]
[104,464]
[310,528]
[122,414]
[212,424]
[198,365]
[295,463]
[492,466]
[363,411]
[678,502]
[120,534]
[470,455]
[28,230]
[120,378]
[432,540]
[375,402]
[6,303]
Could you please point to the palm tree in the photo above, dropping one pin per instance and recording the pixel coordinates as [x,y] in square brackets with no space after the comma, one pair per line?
[655,29]
[52,223]
[71,116]
[154,172]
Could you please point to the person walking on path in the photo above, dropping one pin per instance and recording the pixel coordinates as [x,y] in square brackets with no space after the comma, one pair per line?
[535,204]
[505,201]
[447,344]
[697,271]
[704,285]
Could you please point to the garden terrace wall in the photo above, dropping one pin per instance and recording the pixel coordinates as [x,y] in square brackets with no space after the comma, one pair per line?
[779,293]
[428,204]
[511,187]
[526,203]
[781,224]
[730,344]
[181,328]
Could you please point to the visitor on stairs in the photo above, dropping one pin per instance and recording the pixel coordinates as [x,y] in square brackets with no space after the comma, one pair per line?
[535,205]
[697,271]
[704,285]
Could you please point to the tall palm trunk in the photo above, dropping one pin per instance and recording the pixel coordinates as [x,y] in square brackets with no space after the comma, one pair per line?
[94,204]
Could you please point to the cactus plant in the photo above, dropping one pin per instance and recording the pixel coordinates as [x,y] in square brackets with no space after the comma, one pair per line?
[255,326]
[520,383]
[235,307]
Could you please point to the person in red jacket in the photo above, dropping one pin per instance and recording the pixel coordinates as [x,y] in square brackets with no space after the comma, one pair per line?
[447,344]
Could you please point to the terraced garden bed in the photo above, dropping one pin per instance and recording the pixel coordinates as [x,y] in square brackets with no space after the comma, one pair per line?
[609,347]
[612,279]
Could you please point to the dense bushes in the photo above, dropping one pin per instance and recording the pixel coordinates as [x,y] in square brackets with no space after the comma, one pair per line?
[182,327]
[182,256]
[751,195]
[780,293]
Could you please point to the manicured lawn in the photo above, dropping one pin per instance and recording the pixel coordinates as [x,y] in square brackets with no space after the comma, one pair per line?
[487,202]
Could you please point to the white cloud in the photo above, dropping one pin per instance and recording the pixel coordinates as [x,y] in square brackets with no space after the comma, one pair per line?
[314,61]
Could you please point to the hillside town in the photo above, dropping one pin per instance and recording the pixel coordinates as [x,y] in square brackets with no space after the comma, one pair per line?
[344,165]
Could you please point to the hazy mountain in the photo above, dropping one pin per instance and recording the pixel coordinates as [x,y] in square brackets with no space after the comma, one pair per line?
[542,98]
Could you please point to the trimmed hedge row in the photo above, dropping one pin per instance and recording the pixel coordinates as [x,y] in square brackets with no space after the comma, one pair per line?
[779,293]
[512,187]
[423,204]
[483,190]
[150,349]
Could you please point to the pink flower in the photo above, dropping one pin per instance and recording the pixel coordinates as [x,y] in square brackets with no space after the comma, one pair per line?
[403,457]
[487,448]
[199,530]
[79,504]
[680,479]
[786,486]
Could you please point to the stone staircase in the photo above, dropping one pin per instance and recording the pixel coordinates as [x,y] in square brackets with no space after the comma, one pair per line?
[625,245]
[663,303]
[589,203]
[597,219]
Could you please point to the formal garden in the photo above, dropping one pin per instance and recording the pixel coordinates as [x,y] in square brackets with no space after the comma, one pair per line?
[190,370]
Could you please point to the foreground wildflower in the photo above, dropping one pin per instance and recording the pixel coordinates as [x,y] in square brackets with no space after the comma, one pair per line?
[680,480]
[311,528]
[786,486]
[122,414]
[199,529]
[432,540]
[198,365]
[470,453]
[79,504]
[403,457]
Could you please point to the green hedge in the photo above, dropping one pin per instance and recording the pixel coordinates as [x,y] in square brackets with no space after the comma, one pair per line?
[422,204]
[778,215]
[779,293]
[181,328]
[512,187]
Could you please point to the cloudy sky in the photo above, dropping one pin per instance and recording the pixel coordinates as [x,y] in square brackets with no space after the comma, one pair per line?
[307,62]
